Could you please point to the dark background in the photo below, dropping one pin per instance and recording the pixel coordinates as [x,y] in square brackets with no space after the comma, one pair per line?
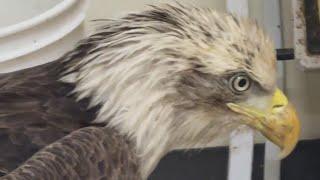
[212,164]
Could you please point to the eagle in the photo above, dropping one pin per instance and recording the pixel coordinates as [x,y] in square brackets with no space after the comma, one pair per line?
[138,87]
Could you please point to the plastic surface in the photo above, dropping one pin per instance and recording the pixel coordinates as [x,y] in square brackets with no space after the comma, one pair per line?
[34,34]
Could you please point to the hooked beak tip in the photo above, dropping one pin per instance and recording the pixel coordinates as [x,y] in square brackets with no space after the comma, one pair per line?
[281,126]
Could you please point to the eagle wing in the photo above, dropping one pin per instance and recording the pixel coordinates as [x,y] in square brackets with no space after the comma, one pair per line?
[35,110]
[88,153]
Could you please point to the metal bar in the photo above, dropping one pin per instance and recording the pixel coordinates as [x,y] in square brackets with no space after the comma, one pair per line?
[272,24]
[241,140]
[241,154]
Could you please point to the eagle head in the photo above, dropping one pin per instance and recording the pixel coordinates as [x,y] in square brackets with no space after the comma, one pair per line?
[179,76]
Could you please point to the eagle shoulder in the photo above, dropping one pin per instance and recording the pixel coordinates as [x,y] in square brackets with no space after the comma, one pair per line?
[36,109]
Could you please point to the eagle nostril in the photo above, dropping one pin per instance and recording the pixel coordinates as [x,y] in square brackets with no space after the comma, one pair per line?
[277,106]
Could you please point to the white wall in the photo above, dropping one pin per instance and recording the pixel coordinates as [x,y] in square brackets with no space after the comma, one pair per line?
[100,9]
[114,8]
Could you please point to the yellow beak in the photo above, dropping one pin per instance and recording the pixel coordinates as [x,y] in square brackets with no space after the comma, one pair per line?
[280,124]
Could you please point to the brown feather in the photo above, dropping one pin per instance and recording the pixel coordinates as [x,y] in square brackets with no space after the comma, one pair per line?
[92,153]
[34,112]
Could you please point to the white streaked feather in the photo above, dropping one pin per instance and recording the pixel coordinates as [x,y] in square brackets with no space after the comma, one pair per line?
[135,84]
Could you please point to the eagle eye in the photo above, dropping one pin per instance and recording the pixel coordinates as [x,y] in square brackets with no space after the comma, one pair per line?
[240,83]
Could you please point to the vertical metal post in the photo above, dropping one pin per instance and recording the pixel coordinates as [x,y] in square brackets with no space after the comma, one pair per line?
[241,154]
[241,140]
[272,24]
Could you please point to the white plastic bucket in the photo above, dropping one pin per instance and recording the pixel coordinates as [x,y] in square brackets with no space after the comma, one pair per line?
[38,32]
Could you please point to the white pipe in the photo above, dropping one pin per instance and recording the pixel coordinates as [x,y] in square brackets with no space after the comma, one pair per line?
[241,154]
[272,24]
[241,140]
